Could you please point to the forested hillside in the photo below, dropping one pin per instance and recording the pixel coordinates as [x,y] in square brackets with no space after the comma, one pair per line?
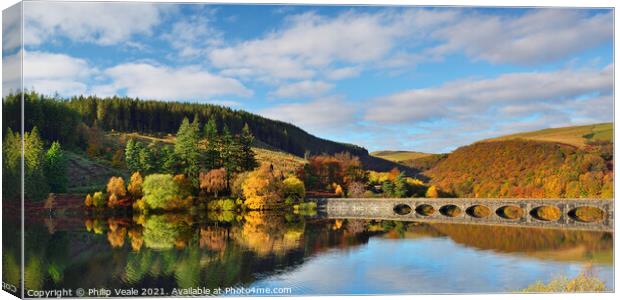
[524,168]
[60,119]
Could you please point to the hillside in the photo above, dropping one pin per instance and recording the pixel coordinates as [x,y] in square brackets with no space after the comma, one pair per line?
[160,118]
[573,135]
[525,168]
[399,156]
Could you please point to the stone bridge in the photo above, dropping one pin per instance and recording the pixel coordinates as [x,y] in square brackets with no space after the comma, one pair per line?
[505,212]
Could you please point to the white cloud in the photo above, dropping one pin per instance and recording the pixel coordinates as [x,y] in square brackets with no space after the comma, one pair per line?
[101,23]
[539,36]
[342,73]
[515,91]
[323,115]
[192,35]
[11,28]
[47,73]
[311,43]
[161,82]
[306,88]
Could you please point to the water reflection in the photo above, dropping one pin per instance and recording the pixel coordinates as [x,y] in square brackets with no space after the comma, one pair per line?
[272,249]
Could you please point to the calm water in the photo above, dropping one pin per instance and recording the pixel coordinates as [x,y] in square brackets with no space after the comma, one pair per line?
[309,255]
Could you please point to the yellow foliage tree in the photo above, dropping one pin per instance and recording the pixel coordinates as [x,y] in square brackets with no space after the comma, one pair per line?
[432,192]
[262,189]
[135,185]
[293,188]
[116,186]
[88,202]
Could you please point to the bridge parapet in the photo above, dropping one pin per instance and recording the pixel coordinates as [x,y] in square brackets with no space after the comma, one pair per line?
[411,209]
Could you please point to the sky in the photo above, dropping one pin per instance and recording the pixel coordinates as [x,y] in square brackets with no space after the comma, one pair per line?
[427,79]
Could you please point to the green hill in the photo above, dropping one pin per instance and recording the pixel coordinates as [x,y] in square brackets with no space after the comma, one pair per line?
[573,135]
[60,119]
[399,156]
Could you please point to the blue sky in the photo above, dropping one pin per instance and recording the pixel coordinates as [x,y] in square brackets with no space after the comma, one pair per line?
[409,78]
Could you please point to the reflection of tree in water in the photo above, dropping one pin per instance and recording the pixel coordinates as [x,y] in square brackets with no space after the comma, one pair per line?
[268,233]
[220,251]
[516,239]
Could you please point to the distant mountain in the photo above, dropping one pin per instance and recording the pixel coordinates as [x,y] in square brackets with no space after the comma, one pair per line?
[573,135]
[399,156]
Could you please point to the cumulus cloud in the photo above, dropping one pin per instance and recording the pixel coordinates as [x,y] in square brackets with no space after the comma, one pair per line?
[161,82]
[538,36]
[309,43]
[508,93]
[100,23]
[305,88]
[47,73]
[193,35]
[438,119]
[324,115]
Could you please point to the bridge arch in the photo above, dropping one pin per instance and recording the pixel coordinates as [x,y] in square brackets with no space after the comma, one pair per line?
[450,210]
[587,214]
[402,209]
[425,210]
[546,213]
[510,212]
[478,211]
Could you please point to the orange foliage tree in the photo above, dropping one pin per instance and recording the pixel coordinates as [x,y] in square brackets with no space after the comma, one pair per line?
[213,181]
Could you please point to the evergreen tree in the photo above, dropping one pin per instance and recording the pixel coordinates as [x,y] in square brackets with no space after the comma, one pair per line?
[35,183]
[168,160]
[186,148]
[132,153]
[146,160]
[229,151]
[11,165]
[56,168]
[247,156]
[212,153]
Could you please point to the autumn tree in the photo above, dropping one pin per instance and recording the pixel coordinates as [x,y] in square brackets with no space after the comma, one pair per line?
[135,185]
[293,189]
[160,190]
[213,181]
[262,189]
[432,192]
[116,191]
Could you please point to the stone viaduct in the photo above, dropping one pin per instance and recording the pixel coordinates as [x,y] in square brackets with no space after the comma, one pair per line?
[466,211]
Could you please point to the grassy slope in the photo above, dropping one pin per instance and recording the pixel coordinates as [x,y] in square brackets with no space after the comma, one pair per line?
[86,174]
[399,156]
[574,135]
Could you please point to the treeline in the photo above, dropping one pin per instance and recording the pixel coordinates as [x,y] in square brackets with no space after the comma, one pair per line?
[58,118]
[45,169]
[521,168]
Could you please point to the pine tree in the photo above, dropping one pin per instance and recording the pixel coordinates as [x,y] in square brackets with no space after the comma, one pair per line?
[212,153]
[229,153]
[56,168]
[132,156]
[248,157]
[186,148]
[146,160]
